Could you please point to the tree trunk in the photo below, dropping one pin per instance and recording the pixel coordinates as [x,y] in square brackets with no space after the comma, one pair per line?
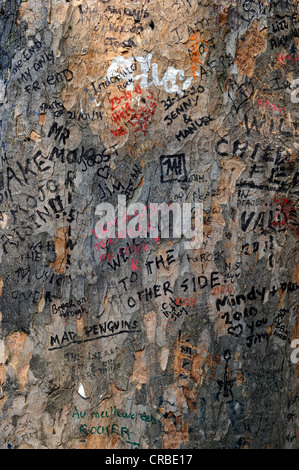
[114,333]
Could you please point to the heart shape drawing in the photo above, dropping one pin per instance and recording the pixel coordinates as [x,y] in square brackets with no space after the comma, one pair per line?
[101,171]
[235,330]
[240,95]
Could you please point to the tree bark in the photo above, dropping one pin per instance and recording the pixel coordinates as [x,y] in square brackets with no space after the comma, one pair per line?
[136,339]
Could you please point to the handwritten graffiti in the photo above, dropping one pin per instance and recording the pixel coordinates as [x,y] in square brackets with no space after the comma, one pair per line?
[173,310]
[187,301]
[263,103]
[110,429]
[283,59]
[93,333]
[70,309]
[183,356]
[170,76]
[138,118]
[225,385]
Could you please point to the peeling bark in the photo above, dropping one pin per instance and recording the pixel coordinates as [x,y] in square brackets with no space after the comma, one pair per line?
[136,342]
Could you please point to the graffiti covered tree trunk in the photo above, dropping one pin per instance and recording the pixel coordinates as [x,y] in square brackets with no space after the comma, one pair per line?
[134,340]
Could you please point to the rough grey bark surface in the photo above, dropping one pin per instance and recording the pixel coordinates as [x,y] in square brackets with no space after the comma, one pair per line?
[140,342]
